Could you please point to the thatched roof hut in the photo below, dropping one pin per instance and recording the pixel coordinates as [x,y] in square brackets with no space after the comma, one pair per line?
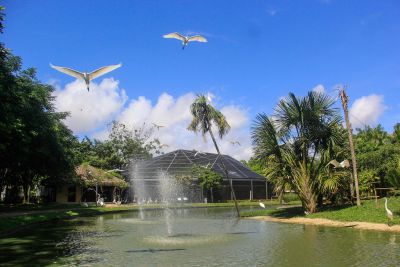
[88,175]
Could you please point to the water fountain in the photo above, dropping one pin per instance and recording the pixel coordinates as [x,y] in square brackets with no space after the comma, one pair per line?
[156,186]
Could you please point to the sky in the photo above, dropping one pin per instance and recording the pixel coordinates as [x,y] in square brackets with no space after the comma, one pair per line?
[257,52]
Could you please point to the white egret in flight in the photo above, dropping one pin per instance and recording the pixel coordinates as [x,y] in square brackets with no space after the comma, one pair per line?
[185,39]
[86,76]
[344,164]
[262,205]
[158,126]
[233,142]
[198,152]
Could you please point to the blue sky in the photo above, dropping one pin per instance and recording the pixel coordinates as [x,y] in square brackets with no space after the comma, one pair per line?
[258,51]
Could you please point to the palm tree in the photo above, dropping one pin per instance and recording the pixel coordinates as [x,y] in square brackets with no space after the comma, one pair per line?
[298,138]
[204,117]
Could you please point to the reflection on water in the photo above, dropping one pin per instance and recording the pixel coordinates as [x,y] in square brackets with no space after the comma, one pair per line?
[200,237]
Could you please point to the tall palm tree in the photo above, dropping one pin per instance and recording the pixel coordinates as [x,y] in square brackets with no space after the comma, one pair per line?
[298,137]
[204,117]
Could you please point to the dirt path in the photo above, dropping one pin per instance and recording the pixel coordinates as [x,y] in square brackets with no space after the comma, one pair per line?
[326,222]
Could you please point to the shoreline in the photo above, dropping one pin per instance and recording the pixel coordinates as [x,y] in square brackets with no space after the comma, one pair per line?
[330,223]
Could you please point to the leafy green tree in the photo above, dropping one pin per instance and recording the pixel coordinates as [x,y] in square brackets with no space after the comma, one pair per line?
[393,175]
[377,153]
[121,147]
[396,134]
[208,179]
[299,140]
[35,144]
[204,116]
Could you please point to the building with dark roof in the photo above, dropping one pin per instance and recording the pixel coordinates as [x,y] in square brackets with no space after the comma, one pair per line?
[246,183]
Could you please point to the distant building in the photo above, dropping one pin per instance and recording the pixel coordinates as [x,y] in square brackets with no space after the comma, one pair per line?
[148,176]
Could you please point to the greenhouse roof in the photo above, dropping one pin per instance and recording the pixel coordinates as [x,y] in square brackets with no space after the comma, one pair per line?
[180,162]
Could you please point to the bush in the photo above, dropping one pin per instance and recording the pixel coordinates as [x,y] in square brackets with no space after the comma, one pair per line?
[289,197]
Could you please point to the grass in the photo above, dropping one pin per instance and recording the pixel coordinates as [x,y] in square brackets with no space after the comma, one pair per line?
[368,212]
[11,223]
[11,218]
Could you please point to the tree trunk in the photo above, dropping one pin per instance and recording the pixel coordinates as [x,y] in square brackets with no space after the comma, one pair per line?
[225,171]
[309,201]
[212,195]
[308,198]
[280,197]
[344,99]
[26,191]
[351,183]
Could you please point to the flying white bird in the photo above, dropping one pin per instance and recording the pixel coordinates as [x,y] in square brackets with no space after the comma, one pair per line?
[86,76]
[185,39]
[344,164]
[206,167]
[389,213]
[158,126]
[262,205]
[164,145]
[209,99]
[198,152]
[234,142]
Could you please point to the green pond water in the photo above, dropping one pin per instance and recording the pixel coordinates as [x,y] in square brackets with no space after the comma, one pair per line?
[198,237]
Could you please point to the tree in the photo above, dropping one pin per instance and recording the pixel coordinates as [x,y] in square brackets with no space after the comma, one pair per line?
[393,175]
[345,100]
[204,117]
[377,154]
[121,147]
[35,144]
[299,139]
[208,179]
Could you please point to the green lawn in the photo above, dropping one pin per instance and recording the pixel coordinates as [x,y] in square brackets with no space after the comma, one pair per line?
[368,212]
[10,223]
[11,218]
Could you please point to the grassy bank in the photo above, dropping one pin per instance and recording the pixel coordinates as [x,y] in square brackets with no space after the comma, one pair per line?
[368,212]
[18,216]
[11,223]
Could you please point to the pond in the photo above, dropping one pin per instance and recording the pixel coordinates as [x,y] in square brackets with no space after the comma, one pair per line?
[197,237]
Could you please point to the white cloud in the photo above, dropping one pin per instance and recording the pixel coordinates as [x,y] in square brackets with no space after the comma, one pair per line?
[367,110]
[89,110]
[174,115]
[90,113]
[319,89]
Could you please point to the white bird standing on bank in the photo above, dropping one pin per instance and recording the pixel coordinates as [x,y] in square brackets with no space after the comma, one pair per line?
[262,205]
[86,76]
[185,39]
[389,213]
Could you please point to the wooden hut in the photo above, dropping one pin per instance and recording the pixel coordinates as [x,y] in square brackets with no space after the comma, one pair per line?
[90,180]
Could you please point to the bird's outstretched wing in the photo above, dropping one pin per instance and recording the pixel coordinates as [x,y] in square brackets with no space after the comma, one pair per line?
[334,162]
[175,35]
[345,164]
[68,71]
[197,38]
[103,70]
